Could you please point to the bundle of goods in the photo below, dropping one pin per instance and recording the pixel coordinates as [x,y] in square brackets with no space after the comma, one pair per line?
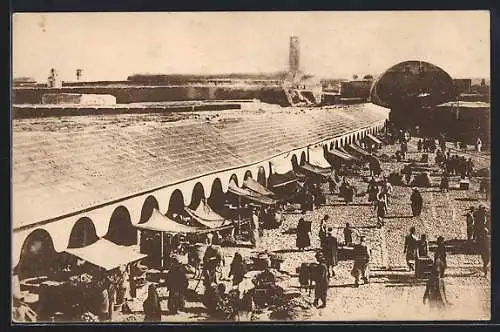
[81,279]
[89,317]
[395,179]
[290,309]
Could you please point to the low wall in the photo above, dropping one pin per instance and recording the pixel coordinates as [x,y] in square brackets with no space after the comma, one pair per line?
[32,111]
[126,95]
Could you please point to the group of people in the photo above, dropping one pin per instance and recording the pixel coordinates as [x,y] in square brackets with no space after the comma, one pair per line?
[478,230]
[379,193]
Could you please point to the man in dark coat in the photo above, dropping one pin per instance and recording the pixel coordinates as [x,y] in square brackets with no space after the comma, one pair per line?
[321,282]
[469,220]
[484,244]
[303,237]
[416,202]
[440,256]
[330,252]
[177,284]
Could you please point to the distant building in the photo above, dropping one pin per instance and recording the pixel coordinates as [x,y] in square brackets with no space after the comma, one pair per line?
[462,85]
[23,81]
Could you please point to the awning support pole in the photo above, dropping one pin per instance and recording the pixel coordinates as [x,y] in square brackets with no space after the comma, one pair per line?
[239,215]
[162,250]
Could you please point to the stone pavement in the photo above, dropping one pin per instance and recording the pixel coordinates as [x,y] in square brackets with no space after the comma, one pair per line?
[393,292]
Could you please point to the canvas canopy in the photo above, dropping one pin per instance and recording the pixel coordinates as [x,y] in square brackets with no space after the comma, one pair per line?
[106,254]
[339,154]
[207,217]
[281,165]
[316,169]
[280,180]
[359,150]
[317,158]
[257,187]
[160,223]
[252,196]
[343,150]
[374,139]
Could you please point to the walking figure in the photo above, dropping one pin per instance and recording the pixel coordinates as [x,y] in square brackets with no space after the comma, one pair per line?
[362,255]
[410,248]
[435,291]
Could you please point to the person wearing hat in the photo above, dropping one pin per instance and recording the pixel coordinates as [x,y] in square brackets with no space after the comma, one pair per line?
[469,220]
[330,252]
[348,234]
[440,256]
[416,202]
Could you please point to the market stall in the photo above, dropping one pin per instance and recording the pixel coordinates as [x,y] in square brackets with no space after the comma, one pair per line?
[74,292]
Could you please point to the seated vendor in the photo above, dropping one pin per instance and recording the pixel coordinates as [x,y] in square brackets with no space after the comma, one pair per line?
[265,278]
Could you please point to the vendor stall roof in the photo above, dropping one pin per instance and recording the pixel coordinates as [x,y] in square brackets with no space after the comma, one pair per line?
[160,223]
[340,154]
[316,158]
[257,187]
[280,180]
[353,157]
[207,217]
[374,139]
[252,196]
[316,169]
[359,150]
[106,254]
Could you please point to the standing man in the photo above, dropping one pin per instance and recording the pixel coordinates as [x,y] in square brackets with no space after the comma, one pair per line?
[348,235]
[469,219]
[330,252]
[440,256]
[484,242]
[411,246]
[255,236]
[380,208]
[322,231]
[362,255]
[321,283]
[303,234]
[416,202]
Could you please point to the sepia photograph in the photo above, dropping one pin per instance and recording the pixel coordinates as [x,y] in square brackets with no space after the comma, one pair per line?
[197,167]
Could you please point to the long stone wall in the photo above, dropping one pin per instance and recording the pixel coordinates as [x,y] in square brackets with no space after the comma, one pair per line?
[126,95]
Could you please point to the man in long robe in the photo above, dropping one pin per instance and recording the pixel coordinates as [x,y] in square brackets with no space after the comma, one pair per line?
[321,283]
[416,202]
[330,252]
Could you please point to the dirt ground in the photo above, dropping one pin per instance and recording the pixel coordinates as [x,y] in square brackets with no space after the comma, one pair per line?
[393,293]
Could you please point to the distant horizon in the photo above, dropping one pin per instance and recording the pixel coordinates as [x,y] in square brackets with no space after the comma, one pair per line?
[113,46]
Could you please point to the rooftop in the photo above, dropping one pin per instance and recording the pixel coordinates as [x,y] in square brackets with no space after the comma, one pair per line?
[63,165]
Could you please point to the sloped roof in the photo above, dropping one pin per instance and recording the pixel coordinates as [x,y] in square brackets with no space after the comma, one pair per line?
[62,165]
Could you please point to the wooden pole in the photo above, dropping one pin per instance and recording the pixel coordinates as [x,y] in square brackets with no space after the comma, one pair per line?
[162,250]
[239,216]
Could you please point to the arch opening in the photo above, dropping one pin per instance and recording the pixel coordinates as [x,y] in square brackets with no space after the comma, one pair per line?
[295,163]
[38,256]
[303,158]
[234,178]
[176,203]
[121,231]
[197,195]
[149,205]
[83,233]
[217,198]
[248,174]
[261,176]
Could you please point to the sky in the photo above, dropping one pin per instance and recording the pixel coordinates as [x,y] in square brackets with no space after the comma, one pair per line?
[111,46]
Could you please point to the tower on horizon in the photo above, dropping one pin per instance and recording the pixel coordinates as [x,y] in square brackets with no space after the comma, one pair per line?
[294,56]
